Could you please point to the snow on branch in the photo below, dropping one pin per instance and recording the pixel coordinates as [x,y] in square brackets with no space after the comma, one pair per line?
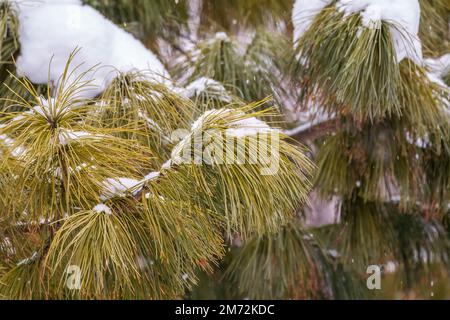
[402,15]
[304,13]
[438,68]
[51,30]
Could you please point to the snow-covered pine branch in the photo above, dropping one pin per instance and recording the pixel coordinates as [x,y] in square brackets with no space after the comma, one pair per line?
[51,30]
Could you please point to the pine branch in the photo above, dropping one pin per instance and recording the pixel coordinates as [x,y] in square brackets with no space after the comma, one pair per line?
[313,132]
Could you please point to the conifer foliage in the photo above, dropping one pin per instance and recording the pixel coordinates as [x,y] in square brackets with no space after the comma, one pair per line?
[116,130]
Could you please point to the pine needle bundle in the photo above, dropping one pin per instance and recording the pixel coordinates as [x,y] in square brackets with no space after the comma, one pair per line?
[251,72]
[231,168]
[292,264]
[378,163]
[367,236]
[149,111]
[354,70]
[60,158]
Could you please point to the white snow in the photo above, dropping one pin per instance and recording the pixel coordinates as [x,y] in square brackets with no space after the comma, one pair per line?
[29,260]
[149,195]
[333,253]
[153,125]
[304,13]
[314,115]
[438,68]
[390,267]
[43,111]
[242,127]
[144,262]
[7,246]
[46,109]
[321,211]
[248,127]
[198,124]
[67,136]
[420,142]
[150,122]
[30,4]
[17,151]
[238,128]
[221,36]
[167,165]
[51,30]
[117,187]
[102,208]
[152,176]
[404,17]
[205,84]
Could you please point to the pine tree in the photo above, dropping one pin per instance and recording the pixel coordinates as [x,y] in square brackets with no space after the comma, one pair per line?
[101,192]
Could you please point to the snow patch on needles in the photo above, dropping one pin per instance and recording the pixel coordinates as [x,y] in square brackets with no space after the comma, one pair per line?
[403,15]
[438,69]
[249,126]
[66,136]
[152,176]
[16,152]
[102,208]
[117,187]
[51,30]
[240,128]
[167,165]
[205,84]
[46,109]
[304,13]
[29,260]
[150,122]
[27,4]
[221,36]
